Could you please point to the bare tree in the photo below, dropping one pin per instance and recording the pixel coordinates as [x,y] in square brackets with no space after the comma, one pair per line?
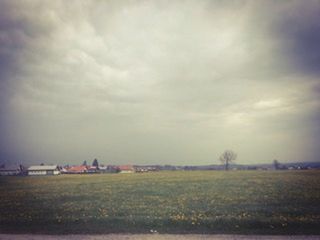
[228,157]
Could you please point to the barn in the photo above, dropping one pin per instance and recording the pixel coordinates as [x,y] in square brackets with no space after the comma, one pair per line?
[126,169]
[77,169]
[43,170]
[11,170]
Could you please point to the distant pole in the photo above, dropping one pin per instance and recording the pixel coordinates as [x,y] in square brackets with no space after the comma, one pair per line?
[276,164]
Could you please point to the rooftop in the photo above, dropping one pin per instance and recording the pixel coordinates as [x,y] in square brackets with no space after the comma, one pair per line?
[42,167]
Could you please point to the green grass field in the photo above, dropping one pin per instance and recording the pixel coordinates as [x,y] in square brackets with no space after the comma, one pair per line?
[244,202]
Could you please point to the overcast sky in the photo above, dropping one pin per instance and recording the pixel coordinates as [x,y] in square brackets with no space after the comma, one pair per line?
[159,82]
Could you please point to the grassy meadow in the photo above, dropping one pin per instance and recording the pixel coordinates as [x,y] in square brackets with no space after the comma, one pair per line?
[245,202]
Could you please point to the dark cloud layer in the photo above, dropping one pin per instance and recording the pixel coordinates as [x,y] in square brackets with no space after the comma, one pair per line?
[300,30]
[159,82]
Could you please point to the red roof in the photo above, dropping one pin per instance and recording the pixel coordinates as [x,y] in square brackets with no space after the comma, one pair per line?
[126,168]
[77,169]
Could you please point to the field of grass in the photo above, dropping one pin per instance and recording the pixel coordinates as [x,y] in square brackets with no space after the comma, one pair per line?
[245,202]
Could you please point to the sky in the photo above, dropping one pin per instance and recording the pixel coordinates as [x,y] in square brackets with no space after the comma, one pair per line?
[159,82]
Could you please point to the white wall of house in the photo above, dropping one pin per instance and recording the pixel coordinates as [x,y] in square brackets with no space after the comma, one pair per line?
[42,172]
[35,172]
[9,172]
[126,171]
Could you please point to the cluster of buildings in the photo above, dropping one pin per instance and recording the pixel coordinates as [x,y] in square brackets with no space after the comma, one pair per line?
[40,170]
[82,169]
[19,170]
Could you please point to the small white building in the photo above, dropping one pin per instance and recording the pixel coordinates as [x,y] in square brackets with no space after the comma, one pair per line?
[43,170]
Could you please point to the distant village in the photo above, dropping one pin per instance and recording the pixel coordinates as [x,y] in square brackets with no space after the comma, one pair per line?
[96,168]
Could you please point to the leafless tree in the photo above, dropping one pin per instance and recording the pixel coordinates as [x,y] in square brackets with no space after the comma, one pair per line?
[228,157]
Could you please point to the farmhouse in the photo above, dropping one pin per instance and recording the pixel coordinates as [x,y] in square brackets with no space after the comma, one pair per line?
[93,169]
[126,169]
[77,169]
[12,170]
[43,170]
[108,169]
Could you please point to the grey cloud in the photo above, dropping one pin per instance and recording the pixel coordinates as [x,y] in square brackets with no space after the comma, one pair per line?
[151,82]
[300,30]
